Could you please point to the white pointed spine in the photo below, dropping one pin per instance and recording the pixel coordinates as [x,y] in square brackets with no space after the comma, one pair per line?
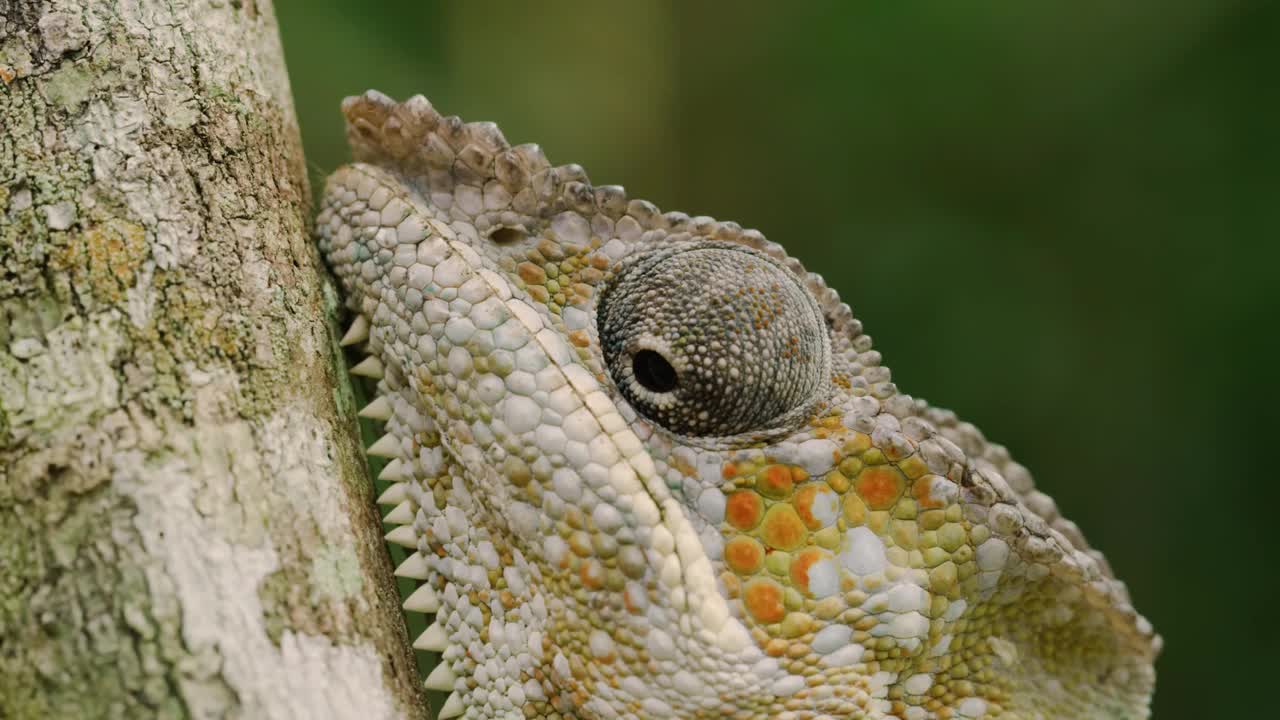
[393,472]
[424,599]
[403,536]
[442,678]
[394,495]
[357,333]
[370,367]
[452,707]
[379,409]
[387,446]
[433,639]
[415,568]
[401,515]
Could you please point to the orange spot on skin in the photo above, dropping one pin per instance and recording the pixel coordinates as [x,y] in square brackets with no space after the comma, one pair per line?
[880,486]
[743,509]
[729,471]
[783,529]
[775,481]
[763,599]
[920,490]
[744,555]
[804,501]
[800,567]
[592,575]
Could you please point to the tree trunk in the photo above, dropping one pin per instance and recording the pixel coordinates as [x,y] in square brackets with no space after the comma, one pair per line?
[186,526]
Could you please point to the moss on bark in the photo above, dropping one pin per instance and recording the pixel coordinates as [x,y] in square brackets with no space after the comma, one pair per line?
[186,526]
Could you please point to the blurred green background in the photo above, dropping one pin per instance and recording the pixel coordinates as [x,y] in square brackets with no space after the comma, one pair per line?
[1060,220]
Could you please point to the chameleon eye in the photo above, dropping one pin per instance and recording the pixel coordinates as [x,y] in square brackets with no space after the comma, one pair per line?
[653,371]
[713,340]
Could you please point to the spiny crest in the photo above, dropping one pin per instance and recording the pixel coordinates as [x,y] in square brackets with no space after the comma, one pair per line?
[404,509]
[441,153]
[424,599]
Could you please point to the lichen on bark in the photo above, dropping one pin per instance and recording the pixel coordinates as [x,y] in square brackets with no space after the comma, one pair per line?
[186,527]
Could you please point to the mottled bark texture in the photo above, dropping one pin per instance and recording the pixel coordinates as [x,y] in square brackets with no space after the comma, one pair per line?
[186,528]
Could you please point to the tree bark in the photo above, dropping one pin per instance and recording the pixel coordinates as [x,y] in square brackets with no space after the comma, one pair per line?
[186,521]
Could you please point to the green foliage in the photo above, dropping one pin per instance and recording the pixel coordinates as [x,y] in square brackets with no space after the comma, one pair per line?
[1058,219]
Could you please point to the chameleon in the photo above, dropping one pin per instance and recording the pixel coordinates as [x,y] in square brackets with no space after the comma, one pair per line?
[648,466]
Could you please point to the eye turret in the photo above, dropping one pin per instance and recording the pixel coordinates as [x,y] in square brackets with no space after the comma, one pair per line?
[713,340]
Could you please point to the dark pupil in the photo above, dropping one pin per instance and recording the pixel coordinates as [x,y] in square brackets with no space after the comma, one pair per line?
[653,372]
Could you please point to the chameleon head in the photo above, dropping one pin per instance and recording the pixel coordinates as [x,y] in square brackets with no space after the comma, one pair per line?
[653,468]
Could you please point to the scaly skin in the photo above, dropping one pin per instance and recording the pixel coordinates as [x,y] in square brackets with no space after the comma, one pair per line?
[653,468]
